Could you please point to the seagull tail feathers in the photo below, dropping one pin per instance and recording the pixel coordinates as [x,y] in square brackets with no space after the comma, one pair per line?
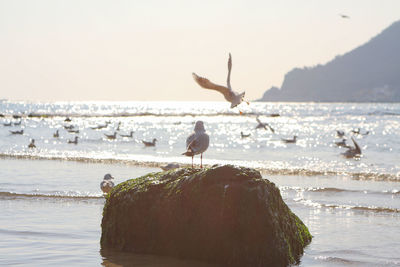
[188,153]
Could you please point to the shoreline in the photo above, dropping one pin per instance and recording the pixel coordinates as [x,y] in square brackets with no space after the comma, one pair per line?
[156,164]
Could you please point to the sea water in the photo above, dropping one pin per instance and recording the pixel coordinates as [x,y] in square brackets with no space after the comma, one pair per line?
[52,205]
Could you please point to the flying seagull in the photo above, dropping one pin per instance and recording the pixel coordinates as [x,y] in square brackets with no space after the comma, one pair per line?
[264,125]
[230,95]
[343,16]
[353,152]
[197,142]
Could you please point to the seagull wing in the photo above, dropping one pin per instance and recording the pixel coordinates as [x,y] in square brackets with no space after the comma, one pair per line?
[228,81]
[199,144]
[190,139]
[356,146]
[269,126]
[205,83]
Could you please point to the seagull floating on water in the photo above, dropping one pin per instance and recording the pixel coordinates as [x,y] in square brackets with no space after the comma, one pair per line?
[244,135]
[107,184]
[153,143]
[290,140]
[68,127]
[353,152]
[75,141]
[32,144]
[230,95]
[197,142]
[340,134]
[111,136]
[73,131]
[127,135]
[98,127]
[17,132]
[342,143]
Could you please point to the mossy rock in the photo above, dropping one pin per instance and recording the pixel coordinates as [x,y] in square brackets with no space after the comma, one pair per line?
[225,214]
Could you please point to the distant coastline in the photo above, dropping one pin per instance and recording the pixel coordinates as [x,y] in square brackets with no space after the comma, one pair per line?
[368,74]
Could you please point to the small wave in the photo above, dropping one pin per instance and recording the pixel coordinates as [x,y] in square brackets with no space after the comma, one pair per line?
[265,171]
[24,234]
[356,176]
[329,189]
[341,190]
[339,260]
[383,113]
[374,209]
[50,196]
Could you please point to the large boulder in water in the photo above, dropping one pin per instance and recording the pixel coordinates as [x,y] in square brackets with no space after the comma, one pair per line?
[225,214]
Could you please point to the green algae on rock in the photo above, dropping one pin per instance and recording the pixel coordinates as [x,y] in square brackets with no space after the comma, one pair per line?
[225,214]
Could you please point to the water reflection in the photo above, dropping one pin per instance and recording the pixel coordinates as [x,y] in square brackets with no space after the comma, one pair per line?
[112,258]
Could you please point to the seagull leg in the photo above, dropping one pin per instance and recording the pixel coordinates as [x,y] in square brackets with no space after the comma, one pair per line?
[201,160]
[192,162]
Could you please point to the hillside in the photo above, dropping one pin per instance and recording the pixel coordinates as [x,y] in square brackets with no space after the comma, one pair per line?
[369,73]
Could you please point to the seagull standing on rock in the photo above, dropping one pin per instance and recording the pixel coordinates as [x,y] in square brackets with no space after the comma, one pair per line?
[107,184]
[197,142]
[230,95]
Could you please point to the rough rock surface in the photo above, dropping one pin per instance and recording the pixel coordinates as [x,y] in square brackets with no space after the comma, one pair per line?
[225,214]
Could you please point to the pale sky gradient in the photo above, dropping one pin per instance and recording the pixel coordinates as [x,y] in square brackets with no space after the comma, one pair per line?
[146,50]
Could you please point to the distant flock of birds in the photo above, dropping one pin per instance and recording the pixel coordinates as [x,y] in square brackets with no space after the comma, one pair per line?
[71,129]
[198,142]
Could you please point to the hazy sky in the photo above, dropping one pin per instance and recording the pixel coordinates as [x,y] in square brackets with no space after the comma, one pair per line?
[146,50]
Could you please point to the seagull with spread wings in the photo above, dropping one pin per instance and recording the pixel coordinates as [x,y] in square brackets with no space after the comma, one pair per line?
[230,95]
[353,152]
[264,125]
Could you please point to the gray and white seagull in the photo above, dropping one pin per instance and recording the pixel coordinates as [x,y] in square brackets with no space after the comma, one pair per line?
[230,95]
[107,184]
[197,142]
